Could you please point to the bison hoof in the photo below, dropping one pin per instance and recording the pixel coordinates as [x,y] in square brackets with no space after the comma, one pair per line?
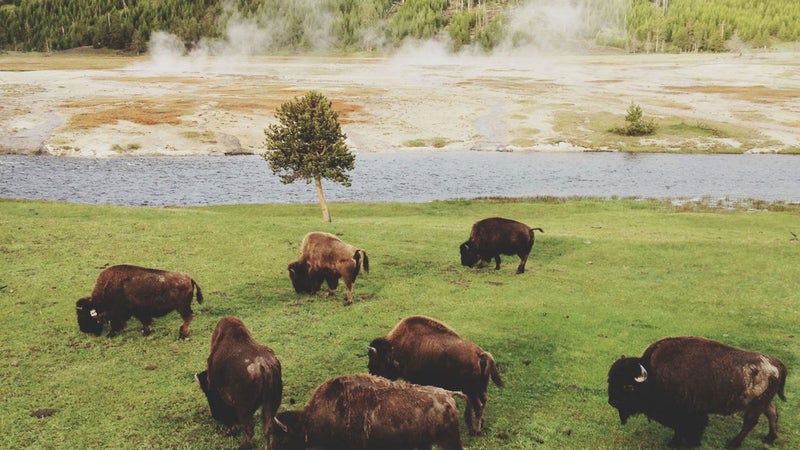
[770,438]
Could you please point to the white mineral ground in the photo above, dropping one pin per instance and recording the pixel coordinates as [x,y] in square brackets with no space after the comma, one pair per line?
[212,106]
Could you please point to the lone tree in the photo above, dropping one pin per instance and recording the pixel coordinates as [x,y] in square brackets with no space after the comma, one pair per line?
[308,144]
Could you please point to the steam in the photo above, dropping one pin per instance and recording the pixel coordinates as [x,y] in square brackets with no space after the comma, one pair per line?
[536,27]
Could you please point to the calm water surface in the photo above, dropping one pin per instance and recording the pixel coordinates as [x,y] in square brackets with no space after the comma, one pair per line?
[402,177]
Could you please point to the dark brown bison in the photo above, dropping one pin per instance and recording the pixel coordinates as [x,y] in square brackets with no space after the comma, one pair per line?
[364,412]
[241,376]
[324,257]
[494,236]
[679,381]
[124,291]
[424,351]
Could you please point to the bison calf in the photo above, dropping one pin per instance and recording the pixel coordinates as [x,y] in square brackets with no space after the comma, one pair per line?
[324,257]
[124,291]
[363,412]
[494,236]
[679,381]
[240,377]
[424,351]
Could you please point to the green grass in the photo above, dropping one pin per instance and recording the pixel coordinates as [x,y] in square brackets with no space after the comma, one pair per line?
[605,279]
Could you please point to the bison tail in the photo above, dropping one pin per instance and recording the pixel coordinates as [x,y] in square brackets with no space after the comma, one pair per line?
[537,229]
[488,365]
[366,261]
[198,292]
[361,260]
[782,381]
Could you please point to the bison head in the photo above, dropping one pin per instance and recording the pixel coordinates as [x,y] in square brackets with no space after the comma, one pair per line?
[298,273]
[219,410]
[469,254]
[627,387]
[88,317]
[289,431]
[303,281]
[381,359]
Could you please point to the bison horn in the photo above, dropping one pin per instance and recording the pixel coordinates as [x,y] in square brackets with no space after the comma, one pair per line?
[372,350]
[642,377]
[280,425]
[93,313]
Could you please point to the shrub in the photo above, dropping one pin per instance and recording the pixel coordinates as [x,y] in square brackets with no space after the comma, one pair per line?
[637,125]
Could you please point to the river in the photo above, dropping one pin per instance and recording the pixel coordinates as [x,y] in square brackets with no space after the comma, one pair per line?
[416,176]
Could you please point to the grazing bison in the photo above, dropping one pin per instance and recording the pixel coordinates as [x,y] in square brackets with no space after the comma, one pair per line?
[364,412]
[679,381]
[241,376]
[324,257]
[124,291]
[424,351]
[494,236]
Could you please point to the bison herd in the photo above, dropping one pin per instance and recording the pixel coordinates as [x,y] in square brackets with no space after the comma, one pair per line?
[677,381]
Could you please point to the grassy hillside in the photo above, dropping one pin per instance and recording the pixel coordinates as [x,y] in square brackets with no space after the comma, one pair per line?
[605,279]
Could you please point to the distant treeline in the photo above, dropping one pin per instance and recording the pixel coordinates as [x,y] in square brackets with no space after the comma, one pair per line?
[368,25]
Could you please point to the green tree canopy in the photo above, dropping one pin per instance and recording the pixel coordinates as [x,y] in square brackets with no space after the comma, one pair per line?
[308,144]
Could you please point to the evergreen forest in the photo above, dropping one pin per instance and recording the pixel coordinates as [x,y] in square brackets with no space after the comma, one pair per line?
[293,26]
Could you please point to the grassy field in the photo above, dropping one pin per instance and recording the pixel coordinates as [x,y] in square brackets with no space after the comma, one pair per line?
[605,279]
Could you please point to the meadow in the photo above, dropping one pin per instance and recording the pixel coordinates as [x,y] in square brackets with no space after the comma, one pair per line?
[606,278]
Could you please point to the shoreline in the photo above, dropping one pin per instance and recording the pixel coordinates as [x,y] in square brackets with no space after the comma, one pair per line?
[138,106]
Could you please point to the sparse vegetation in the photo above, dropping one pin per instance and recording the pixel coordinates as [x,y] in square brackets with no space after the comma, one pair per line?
[637,125]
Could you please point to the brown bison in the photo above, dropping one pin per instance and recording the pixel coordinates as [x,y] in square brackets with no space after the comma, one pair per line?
[124,291]
[364,412]
[679,381]
[424,351]
[241,376]
[324,257]
[494,236]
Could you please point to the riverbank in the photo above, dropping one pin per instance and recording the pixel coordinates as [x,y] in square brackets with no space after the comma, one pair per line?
[101,105]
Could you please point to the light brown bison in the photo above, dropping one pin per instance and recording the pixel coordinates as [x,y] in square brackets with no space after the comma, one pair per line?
[424,351]
[324,257]
[494,236]
[679,381]
[241,376]
[124,291]
[364,412]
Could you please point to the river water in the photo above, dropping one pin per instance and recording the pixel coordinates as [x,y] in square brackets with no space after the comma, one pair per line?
[416,176]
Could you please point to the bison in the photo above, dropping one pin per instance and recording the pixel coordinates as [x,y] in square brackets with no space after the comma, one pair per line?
[365,412]
[494,236]
[679,381]
[424,351]
[124,291]
[241,376]
[324,257]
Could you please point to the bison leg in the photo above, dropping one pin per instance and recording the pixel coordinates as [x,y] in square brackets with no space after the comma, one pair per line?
[333,283]
[497,262]
[473,415]
[183,332]
[523,258]
[689,430]
[187,315]
[772,417]
[146,322]
[249,429]
[117,325]
[751,415]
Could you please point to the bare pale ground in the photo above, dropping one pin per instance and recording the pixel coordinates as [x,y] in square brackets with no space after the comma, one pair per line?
[95,106]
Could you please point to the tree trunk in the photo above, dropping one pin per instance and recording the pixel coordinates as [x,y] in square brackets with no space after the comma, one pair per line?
[326,215]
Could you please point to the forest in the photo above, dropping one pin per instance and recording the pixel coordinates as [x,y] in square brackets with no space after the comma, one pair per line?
[303,26]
